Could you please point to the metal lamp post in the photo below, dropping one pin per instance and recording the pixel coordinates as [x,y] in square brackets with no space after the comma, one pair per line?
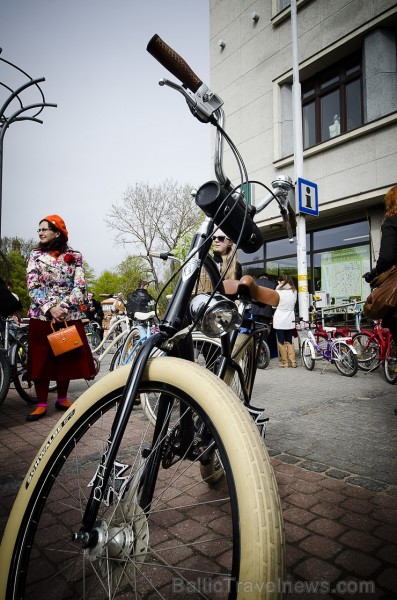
[20,113]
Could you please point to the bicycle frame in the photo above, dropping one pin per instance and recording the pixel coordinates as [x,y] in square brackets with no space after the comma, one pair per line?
[101,355]
[225,208]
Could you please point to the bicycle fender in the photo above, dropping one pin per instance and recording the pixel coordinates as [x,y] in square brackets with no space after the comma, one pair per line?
[312,350]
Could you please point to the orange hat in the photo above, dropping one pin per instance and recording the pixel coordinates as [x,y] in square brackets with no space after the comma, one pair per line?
[58,222]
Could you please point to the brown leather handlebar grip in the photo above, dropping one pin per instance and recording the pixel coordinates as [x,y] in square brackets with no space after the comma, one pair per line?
[173,62]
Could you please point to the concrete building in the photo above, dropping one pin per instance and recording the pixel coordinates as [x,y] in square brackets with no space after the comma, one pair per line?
[348,74]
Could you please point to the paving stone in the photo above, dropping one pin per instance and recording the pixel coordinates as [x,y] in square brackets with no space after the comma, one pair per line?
[357,521]
[360,540]
[302,500]
[316,569]
[357,562]
[313,466]
[294,533]
[388,553]
[376,486]
[298,515]
[388,579]
[337,474]
[326,527]
[320,546]
[356,505]
[387,532]
[307,487]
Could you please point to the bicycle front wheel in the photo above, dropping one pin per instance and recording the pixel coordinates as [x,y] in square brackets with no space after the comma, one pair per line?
[263,358]
[5,375]
[307,352]
[344,358]
[24,387]
[368,351]
[390,363]
[214,541]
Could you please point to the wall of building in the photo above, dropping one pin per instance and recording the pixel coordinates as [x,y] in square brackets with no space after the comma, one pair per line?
[253,74]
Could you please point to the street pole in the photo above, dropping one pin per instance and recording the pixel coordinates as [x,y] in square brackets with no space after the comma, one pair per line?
[15,99]
[303,293]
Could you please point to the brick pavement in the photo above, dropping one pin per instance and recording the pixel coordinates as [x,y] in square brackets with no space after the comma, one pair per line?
[341,538]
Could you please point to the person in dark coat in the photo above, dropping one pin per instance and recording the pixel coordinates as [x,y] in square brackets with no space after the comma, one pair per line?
[263,313]
[94,312]
[9,303]
[388,252]
[388,255]
[139,300]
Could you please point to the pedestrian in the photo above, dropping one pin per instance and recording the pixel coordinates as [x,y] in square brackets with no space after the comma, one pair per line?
[284,320]
[94,312]
[10,305]
[56,286]
[388,254]
[263,313]
[118,309]
[140,299]
[224,252]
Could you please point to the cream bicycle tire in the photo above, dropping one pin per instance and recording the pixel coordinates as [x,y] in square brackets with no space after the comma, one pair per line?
[258,544]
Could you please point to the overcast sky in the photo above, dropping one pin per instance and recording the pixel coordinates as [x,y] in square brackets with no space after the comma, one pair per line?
[113,125]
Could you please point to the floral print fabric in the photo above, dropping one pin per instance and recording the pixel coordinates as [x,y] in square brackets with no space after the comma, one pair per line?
[55,280]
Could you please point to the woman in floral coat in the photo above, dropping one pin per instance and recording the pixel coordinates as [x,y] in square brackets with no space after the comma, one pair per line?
[56,285]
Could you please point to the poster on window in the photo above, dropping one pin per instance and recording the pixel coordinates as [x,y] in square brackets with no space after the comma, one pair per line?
[342,271]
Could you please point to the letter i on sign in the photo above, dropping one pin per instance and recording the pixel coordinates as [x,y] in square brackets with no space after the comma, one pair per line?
[308,197]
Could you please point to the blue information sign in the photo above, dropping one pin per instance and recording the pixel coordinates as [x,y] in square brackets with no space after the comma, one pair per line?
[308,197]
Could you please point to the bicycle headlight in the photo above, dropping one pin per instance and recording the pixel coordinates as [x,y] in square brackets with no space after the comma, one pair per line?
[215,317]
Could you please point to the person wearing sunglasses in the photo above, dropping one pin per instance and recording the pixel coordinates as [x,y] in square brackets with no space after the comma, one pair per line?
[223,250]
[56,286]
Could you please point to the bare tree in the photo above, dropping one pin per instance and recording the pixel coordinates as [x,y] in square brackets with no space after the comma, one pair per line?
[154,217]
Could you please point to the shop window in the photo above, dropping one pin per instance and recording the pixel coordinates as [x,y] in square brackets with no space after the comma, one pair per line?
[332,102]
[339,273]
[344,235]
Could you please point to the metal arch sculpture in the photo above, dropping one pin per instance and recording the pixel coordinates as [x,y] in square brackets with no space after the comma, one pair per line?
[20,114]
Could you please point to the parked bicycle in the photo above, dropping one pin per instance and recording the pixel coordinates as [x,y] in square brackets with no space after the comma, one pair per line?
[115,507]
[375,348]
[92,331]
[334,350]
[13,360]
[112,340]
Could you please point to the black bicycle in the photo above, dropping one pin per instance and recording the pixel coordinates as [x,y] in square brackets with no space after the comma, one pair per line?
[115,506]
[13,360]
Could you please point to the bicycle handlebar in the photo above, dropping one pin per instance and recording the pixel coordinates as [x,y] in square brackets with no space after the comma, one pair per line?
[173,62]
[217,199]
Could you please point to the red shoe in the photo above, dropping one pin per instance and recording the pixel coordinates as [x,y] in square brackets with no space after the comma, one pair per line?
[63,404]
[38,413]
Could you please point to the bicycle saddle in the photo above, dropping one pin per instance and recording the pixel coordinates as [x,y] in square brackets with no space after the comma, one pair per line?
[247,286]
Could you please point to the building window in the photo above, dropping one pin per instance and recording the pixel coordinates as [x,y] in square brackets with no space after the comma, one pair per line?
[337,258]
[332,102]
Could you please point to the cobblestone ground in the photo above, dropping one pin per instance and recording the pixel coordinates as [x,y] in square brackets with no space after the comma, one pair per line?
[332,441]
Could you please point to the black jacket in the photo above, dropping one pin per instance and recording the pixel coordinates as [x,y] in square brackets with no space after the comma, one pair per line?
[388,245]
[263,310]
[9,304]
[138,301]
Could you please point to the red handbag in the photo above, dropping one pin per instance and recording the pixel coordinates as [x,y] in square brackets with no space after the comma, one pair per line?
[65,339]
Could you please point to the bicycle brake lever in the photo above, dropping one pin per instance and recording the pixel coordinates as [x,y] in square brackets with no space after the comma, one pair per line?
[202,103]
